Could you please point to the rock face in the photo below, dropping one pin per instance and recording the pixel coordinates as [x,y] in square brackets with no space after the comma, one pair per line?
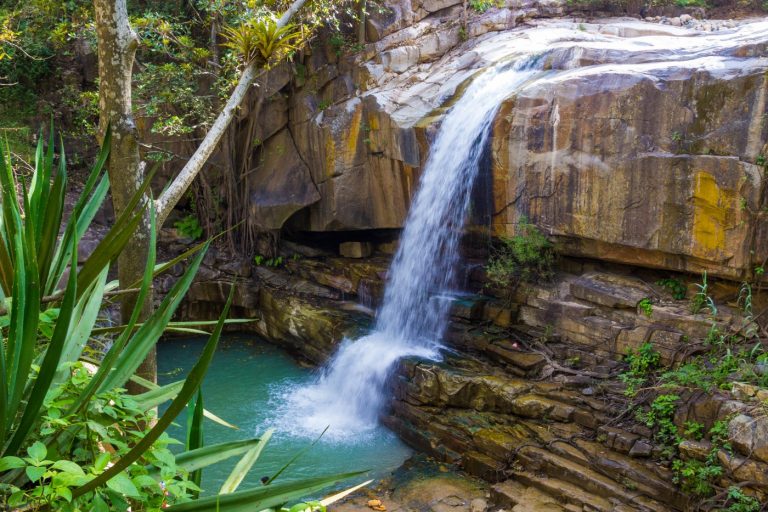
[281,185]
[646,170]
[629,150]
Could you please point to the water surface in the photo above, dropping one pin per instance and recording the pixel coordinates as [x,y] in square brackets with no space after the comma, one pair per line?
[246,385]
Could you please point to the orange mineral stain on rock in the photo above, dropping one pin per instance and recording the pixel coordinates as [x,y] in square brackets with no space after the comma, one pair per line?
[710,211]
[353,134]
[330,157]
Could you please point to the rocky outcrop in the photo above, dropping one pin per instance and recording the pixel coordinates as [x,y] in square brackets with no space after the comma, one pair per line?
[532,401]
[629,150]
[653,169]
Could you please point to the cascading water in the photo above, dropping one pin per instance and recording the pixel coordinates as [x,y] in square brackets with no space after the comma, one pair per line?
[411,321]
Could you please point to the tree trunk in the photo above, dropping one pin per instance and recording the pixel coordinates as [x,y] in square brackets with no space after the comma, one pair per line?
[117,43]
[117,49]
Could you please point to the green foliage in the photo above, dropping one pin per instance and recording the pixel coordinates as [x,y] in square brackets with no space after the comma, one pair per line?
[646,307]
[526,256]
[718,369]
[262,39]
[694,430]
[737,501]
[697,476]
[702,298]
[342,43]
[641,364]
[673,286]
[70,437]
[269,262]
[660,416]
[189,227]
[691,3]
[109,419]
[484,5]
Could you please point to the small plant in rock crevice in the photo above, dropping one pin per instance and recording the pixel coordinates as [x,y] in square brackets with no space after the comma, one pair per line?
[275,262]
[737,501]
[702,298]
[483,5]
[673,286]
[526,256]
[660,416]
[646,307]
[189,227]
[698,476]
[642,363]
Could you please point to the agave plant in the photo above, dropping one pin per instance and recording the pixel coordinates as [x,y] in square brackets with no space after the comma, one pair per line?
[263,39]
[70,437]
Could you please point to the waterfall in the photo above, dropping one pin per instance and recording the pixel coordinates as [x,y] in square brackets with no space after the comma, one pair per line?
[349,391]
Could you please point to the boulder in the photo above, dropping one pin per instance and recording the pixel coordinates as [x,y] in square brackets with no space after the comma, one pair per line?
[750,435]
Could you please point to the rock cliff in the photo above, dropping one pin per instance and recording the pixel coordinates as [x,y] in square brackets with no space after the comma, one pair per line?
[641,143]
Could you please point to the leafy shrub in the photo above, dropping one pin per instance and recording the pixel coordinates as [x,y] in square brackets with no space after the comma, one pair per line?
[697,476]
[523,257]
[646,306]
[641,364]
[673,286]
[660,416]
[737,501]
[189,227]
[484,5]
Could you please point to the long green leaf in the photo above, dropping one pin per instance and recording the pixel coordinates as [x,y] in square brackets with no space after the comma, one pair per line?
[178,326]
[191,384]
[54,210]
[157,396]
[119,234]
[7,271]
[296,457]
[147,335]
[208,455]
[49,365]
[244,465]
[22,333]
[85,316]
[262,497]
[195,435]
[107,363]
[75,230]
[83,212]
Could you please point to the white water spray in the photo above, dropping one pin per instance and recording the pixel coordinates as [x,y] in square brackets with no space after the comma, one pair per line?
[348,395]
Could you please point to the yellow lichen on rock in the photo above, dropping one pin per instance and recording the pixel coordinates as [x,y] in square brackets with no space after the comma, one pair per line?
[710,215]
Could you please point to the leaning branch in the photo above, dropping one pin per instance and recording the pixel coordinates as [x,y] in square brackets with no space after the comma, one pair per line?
[171,196]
